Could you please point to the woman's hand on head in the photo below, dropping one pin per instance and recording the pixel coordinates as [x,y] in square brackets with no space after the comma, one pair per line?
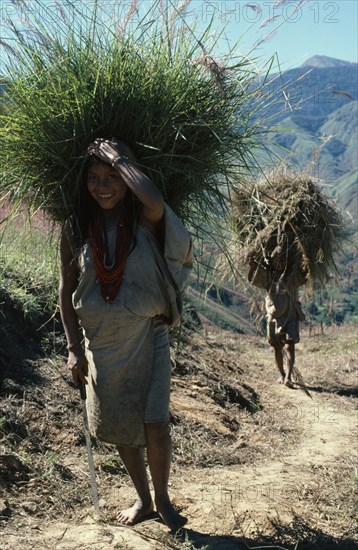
[78,365]
[106,150]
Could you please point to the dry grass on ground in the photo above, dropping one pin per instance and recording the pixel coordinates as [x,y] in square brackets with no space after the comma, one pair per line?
[254,462]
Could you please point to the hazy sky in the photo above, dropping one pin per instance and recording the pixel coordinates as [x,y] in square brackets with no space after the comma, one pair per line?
[320,27]
[316,27]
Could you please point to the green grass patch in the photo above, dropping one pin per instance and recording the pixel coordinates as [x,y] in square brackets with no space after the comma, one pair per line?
[29,266]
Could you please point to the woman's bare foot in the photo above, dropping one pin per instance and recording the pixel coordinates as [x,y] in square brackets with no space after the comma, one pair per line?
[287,382]
[170,516]
[135,513]
[280,379]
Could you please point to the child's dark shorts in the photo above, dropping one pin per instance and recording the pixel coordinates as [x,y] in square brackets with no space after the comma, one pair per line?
[278,337]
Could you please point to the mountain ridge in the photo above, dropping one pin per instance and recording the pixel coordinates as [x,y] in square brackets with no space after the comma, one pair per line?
[323,61]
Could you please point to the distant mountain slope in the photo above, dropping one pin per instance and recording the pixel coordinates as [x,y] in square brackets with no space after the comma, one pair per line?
[342,126]
[315,108]
[314,91]
[346,193]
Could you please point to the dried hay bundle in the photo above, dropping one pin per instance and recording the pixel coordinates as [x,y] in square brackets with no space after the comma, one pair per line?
[73,77]
[286,214]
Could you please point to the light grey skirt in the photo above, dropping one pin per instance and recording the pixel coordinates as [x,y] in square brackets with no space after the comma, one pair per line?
[127,390]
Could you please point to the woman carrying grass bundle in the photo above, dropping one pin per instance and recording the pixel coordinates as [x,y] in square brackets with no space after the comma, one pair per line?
[281,280]
[125,258]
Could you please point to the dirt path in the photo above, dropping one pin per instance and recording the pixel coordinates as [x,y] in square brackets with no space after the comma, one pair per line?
[226,505]
[291,477]
[269,488]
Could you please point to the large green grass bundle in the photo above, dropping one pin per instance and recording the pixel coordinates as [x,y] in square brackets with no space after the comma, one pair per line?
[286,214]
[74,76]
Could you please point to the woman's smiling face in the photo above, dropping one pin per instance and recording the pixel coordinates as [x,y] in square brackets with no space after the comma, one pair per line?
[105,185]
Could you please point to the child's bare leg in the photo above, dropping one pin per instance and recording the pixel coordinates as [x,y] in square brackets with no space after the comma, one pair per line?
[279,362]
[290,357]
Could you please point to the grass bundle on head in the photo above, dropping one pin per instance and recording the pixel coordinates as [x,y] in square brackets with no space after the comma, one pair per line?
[286,213]
[77,77]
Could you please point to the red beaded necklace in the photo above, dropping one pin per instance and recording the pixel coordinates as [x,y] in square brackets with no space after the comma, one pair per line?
[109,275]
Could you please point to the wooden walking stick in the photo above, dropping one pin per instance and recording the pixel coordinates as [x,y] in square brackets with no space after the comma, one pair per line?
[89,451]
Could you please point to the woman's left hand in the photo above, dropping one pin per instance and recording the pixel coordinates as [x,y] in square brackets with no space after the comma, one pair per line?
[106,151]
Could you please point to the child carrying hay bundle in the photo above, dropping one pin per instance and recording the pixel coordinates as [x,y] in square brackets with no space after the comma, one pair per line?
[287,213]
[283,309]
[289,232]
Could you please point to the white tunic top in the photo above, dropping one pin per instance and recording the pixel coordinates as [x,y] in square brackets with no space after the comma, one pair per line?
[120,338]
